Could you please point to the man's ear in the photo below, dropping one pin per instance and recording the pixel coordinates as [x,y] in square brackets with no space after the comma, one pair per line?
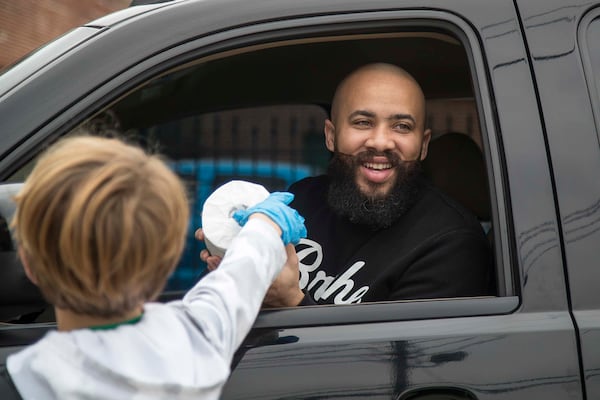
[425,143]
[26,267]
[329,130]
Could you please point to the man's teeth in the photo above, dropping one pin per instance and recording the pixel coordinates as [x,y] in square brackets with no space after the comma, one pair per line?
[378,166]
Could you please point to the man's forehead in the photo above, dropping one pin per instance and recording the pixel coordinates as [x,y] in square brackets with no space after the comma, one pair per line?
[378,83]
[377,87]
[380,100]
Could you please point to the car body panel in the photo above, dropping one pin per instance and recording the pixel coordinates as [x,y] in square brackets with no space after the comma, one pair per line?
[388,360]
[522,345]
[34,61]
[554,31]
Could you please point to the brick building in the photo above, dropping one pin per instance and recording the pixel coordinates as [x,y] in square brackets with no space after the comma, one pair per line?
[27,24]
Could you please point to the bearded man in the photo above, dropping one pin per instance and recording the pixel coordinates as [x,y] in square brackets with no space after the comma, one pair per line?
[377,231]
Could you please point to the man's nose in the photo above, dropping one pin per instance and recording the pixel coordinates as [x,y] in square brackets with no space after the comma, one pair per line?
[380,139]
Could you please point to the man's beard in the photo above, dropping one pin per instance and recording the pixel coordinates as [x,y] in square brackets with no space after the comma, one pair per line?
[376,211]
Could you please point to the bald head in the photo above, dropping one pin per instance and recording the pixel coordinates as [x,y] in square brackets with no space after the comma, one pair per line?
[378,123]
[380,72]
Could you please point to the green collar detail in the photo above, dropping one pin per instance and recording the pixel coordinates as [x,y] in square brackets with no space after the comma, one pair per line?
[106,327]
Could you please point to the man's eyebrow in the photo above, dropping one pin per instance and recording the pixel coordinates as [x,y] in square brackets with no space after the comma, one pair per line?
[371,114]
[395,117]
[363,113]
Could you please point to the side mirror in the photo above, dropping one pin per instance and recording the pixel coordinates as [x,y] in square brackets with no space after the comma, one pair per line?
[20,300]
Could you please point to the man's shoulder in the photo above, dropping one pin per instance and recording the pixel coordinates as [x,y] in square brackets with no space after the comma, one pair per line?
[310,183]
[310,194]
[443,211]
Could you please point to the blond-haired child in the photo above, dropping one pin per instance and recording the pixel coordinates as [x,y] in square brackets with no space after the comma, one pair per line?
[100,225]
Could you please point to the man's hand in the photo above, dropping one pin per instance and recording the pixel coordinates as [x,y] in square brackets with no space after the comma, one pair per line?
[285,290]
[212,262]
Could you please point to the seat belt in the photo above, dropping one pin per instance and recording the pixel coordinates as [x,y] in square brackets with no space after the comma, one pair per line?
[7,386]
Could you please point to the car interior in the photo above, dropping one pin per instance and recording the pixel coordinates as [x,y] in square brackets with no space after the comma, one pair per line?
[256,113]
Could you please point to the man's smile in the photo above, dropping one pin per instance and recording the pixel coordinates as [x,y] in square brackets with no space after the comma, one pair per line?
[377,166]
[377,172]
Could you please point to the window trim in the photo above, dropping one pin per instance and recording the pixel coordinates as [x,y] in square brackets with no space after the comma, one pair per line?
[392,311]
[340,25]
[410,309]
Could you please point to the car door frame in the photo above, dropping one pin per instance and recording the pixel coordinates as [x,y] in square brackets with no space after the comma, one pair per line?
[527,244]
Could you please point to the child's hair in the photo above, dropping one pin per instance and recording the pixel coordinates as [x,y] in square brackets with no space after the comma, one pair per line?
[101,224]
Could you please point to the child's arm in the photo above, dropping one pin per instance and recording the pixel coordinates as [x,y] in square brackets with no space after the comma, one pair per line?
[225,303]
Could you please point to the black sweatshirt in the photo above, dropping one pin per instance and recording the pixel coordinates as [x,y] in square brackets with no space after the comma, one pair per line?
[437,249]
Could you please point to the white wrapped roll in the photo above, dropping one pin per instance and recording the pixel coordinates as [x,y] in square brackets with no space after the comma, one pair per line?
[218,225]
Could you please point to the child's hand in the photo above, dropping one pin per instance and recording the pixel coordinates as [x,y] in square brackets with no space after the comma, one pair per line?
[276,208]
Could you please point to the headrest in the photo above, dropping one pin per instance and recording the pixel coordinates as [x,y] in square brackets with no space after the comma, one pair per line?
[18,296]
[456,165]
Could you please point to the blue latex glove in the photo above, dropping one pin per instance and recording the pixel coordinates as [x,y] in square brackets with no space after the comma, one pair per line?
[276,207]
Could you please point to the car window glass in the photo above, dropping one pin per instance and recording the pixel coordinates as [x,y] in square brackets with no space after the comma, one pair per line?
[248,116]
[270,145]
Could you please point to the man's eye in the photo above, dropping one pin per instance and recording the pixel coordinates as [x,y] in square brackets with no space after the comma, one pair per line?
[402,127]
[362,123]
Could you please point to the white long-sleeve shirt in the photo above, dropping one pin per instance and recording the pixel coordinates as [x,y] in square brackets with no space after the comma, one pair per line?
[179,350]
